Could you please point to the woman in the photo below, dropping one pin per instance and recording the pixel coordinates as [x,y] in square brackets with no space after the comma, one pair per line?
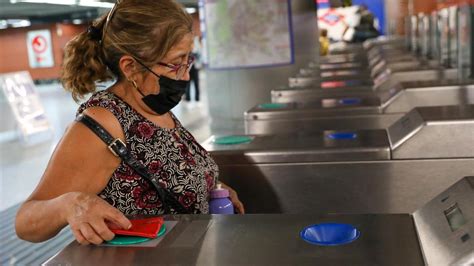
[145,45]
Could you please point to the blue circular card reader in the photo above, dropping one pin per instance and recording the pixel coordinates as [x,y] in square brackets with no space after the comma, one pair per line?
[342,135]
[350,101]
[232,140]
[271,105]
[330,234]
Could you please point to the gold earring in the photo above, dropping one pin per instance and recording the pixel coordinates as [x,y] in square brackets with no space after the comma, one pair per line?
[134,83]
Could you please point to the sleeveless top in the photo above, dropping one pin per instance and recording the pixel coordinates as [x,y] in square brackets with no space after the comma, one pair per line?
[172,156]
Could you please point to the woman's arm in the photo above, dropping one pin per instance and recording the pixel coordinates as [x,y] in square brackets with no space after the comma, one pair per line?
[238,205]
[78,170]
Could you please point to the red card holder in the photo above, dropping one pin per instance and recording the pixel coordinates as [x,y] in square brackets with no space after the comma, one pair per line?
[148,227]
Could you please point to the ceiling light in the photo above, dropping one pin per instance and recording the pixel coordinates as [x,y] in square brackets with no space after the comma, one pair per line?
[53,2]
[90,3]
[18,23]
[191,10]
[3,24]
[96,4]
[77,21]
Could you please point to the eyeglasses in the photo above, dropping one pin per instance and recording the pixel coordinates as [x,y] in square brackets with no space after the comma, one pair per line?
[179,69]
[109,17]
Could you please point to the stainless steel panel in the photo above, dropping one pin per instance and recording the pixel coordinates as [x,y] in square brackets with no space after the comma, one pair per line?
[395,186]
[435,96]
[430,78]
[445,226]
[322,107]
[412,65]
[314,82]
[340,66]
[301,80]
[342,122]
[315,146]
[425,75]
[310,94]
[392,59]
[345,58]
[262,240]
[394,100]
[437,132]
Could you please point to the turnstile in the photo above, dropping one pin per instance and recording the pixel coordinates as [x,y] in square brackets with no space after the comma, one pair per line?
[395,100]
[310,94]
[428,151]
[438,233]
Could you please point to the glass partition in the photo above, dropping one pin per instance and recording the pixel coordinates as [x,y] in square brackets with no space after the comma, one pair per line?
[443,24]
[434,36]
[453,36]
[465,33]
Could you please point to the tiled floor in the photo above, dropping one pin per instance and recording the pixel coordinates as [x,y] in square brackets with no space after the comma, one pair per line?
[22,166]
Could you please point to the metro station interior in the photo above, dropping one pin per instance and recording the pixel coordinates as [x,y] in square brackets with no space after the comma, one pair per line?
[342,131]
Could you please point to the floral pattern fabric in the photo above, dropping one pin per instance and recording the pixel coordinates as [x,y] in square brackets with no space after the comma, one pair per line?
[172,156]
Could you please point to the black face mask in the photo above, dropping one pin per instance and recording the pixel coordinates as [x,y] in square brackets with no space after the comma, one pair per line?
[170,95]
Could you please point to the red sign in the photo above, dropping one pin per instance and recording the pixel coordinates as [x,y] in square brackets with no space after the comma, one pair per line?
[39,44]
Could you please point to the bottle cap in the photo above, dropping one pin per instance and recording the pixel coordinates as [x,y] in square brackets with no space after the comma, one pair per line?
[219,192]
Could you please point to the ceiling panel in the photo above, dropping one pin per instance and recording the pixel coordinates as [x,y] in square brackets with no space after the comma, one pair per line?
[28,10]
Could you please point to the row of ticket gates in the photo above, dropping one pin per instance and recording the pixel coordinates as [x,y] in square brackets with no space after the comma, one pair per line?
[372,129]
[373,137]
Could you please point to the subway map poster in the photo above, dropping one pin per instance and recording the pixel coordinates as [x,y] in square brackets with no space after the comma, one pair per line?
[246,33]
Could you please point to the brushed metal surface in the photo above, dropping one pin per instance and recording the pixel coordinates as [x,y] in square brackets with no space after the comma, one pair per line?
[436,132]
[392,101]
[313,93]
[321,107]
[419,93]
[303,147]
[263,240]
[341,122]
[410,98]
[441,244]
[395,186]
[426,75]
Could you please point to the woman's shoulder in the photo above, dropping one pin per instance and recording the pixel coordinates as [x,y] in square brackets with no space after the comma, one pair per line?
[104,99]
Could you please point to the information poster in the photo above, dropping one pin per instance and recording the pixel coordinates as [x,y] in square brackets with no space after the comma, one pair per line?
[40,51]
[246,33]
[25,103]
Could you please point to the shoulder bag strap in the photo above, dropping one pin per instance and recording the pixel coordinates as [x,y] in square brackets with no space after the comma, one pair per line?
[119,149]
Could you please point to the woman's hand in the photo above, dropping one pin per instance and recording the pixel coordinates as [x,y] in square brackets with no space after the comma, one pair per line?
[238,205]
[90,218]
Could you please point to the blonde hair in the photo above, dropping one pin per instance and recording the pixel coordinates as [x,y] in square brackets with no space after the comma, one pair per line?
[145,29]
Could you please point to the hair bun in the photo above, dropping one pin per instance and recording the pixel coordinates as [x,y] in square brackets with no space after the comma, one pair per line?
[94,33]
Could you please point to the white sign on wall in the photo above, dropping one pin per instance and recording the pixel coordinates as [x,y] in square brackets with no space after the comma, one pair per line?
[25,104]
[40,50]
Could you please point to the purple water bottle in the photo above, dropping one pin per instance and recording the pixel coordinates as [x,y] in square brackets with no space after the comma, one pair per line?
[220,202]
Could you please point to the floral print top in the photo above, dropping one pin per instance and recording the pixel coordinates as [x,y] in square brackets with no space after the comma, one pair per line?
[173,156]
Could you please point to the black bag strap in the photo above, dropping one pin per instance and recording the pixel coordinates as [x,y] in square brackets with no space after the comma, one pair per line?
[119,149]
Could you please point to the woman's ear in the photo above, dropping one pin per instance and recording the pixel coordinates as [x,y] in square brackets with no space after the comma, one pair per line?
[128,66]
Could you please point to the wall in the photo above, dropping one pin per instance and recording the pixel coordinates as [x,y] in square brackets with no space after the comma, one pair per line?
[425,6]
[232,92]
[14,55]
[395,13]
